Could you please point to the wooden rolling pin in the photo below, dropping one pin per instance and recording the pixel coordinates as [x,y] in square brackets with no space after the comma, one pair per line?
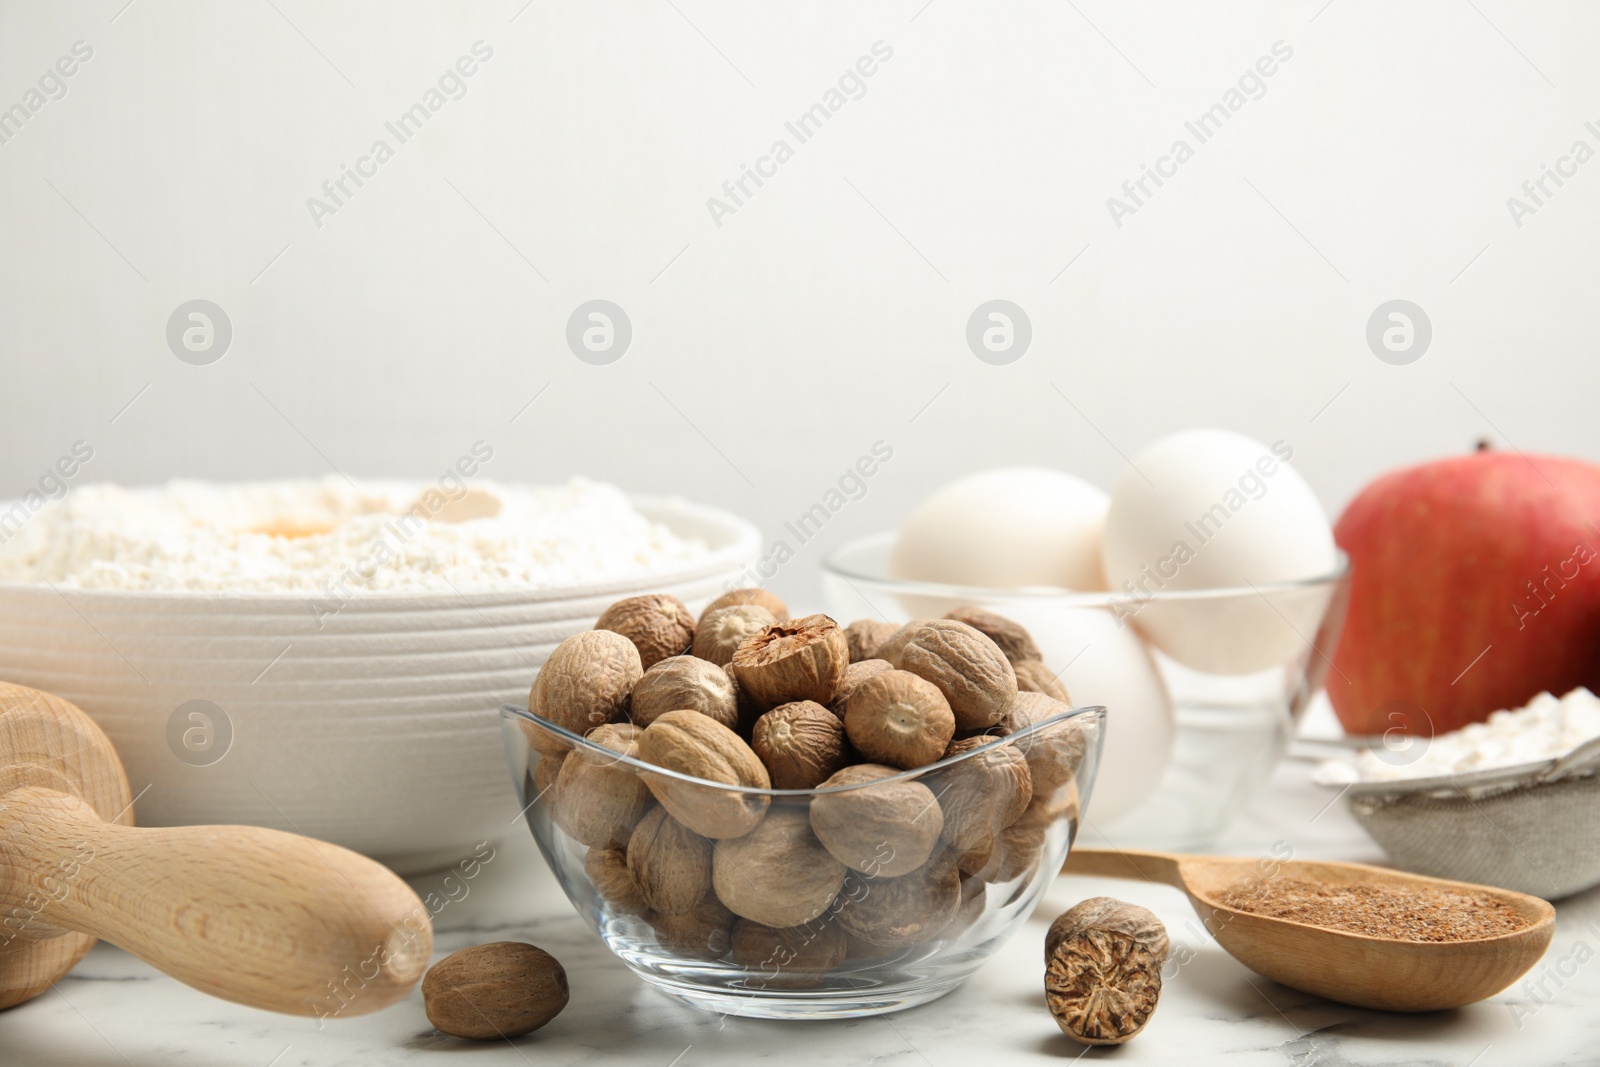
[260,917]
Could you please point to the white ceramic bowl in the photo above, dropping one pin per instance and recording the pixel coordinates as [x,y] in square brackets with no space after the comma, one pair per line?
[379,732]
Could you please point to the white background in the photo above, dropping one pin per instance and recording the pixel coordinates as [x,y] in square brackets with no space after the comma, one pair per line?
[769,353]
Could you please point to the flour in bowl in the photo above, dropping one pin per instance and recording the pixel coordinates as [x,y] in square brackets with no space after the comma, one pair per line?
[335,539]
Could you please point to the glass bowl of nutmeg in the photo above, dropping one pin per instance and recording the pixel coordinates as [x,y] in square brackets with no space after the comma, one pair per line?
[762,817]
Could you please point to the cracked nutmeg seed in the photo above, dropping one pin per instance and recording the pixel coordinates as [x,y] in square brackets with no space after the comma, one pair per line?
[658,624]
[803,659]
[1102,976]
[723,630]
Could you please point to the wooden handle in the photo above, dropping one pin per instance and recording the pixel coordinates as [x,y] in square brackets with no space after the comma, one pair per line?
[1125,863]
[256,916]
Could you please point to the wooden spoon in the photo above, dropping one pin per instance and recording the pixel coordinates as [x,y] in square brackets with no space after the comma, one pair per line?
[264,918]
[1369,972]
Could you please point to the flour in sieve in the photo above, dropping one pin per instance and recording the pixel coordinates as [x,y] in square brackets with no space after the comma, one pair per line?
[312,535]
[1543,729]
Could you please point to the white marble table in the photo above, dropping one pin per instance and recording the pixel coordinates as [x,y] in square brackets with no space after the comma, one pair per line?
[115,1011]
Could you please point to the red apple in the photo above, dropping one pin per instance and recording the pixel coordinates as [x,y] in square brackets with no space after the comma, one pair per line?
[1476,585]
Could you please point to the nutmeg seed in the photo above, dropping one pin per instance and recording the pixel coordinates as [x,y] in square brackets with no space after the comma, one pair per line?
[693,744]
[1010,637]
[680,682]
[984,793]
[794,957]
[855,676]
[703,933]
[899,719]
[494,991]
[658,624]
[888,829]
[969,669]
[722,630]
[778,874]
[803,659]
[1103,962]
[598,802]
[1034,677]
[585,682]
[607,868]
[670,863]
[753,595]
[801,743]
[903,911]
[864,636]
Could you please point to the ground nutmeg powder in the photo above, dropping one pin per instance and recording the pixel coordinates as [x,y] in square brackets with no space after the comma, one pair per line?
[1403,913]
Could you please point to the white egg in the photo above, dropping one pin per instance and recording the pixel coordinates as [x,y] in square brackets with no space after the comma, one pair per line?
[1103,663]
[1007,528]
[1212,509]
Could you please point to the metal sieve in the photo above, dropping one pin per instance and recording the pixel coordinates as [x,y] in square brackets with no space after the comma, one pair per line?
[1534,828]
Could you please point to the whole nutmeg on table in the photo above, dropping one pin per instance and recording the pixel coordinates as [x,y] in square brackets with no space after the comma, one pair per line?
[722,630]
[685,683]
[587,681]
[900,719]
[670,864]
[801,743]
[802,659]
[1103,961]
[778,874]
[695,745]
[969,669]
[494,991]
[659,625]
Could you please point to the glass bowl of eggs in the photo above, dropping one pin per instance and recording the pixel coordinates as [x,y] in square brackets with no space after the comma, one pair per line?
[1199,602]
